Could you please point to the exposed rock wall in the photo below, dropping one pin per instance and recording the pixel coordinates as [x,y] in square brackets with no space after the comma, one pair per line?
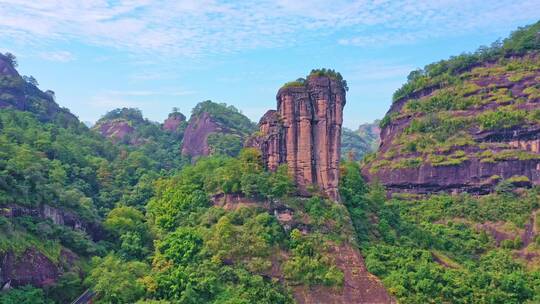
[305,133]
[195,141]
[116,130]
[172,122]
[474,157]
[57,216]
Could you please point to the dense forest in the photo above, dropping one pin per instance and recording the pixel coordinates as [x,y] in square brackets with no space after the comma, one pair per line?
[134,221]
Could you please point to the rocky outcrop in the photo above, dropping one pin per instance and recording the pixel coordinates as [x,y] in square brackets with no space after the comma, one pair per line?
[58,217]
[466,135]
[195,141]
[215,128]
[115,130]
[371,133]
[174,121]
[305,133]
[23,95]
[32,267]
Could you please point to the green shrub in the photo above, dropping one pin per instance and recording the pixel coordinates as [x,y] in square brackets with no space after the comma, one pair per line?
[501,118]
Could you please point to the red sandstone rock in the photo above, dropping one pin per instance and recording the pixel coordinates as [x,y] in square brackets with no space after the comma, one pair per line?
[33,268]
[472,175]
[195,138]
[116,130]
[305,133]
[174,120]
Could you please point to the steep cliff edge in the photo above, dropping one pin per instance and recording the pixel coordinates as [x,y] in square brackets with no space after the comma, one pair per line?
[22,93]
[465,124]
[305,131]
[215,128]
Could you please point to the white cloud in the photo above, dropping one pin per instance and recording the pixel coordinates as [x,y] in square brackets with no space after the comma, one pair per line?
[150,93]
[59,56]
[195,27]
[109,99]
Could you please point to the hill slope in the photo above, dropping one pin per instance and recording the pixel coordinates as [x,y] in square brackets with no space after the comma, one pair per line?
[466,123]
[215,128]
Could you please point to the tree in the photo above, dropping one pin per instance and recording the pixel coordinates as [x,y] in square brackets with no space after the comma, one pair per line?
[117,281]
[125,219]
[12,60]
[24,295]
[31,80]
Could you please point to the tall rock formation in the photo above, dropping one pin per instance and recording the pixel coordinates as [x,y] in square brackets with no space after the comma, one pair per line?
[305,132]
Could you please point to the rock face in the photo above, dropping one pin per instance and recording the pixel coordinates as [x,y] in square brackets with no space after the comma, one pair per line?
[195,141]
[371,133]
[57,216]
[172,122]
[115,130]
[305,133]
[215,128]
[464,136]
[33,268]
[16,93]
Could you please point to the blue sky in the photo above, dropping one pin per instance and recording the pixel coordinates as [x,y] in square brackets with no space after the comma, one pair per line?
[98,55]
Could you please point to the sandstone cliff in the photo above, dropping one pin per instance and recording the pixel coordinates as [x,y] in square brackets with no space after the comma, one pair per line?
[174,122]
[195,141]
[305,132]
[215,128]
[464,132]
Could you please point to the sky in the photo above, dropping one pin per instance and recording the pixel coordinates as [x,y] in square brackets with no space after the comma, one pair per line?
[98,55]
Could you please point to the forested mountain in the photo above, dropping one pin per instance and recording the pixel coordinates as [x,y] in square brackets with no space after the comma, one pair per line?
[215,128]
[357,144]
[127,128]
[212,210]
[468,128]
[466,123]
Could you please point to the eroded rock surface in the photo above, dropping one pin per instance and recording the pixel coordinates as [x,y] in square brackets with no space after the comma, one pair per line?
[32,268]
[305,133]
[464,136]
[195,142]
[174,121]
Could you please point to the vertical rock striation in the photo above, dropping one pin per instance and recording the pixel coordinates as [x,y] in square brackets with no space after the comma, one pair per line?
[305,133]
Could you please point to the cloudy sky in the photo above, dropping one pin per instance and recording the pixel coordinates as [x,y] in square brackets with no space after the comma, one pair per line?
[98,55]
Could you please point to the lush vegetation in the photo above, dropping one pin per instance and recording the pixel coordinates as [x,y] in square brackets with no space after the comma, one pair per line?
[148,137]
[432,251]
[154,228]
[205,253]
[521,41]
[50,170]
[300,82]
[227,115]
